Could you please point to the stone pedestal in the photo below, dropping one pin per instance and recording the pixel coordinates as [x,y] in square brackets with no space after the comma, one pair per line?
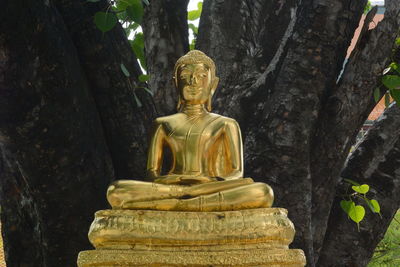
[254,237]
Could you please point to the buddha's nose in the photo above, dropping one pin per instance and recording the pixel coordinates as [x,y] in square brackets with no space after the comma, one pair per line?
[193,79]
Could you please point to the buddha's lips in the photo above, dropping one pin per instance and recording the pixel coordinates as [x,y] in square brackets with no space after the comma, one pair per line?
[193,90]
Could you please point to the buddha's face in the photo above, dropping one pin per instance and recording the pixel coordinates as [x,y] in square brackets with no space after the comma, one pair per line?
[194,83]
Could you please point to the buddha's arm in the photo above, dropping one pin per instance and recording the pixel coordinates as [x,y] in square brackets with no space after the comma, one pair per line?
[234,150]
[155,154]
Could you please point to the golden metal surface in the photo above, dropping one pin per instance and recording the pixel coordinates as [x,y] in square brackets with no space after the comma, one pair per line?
[233,258]
[172,230]
[207,169]
[202,212]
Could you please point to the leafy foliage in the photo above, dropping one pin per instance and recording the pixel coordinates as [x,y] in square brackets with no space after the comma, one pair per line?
[368,7]
[357,212]
[125,70]
[194,29]
[391,80]
[144,78]
[387,253]
[195,14]
[130,14]
[138,48]
[105,21]
[128,11]
[135,11]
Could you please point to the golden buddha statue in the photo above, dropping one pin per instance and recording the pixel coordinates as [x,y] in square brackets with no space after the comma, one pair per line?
[202,212]
[207,168]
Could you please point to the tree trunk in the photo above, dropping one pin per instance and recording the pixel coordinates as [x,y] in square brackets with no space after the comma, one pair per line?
[55,163]
[376,163]
[70,122]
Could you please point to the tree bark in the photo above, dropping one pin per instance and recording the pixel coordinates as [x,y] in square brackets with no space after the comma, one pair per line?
[125,124]
[347,107]
[55,163]
[376,163]
[166,39]
[70,124]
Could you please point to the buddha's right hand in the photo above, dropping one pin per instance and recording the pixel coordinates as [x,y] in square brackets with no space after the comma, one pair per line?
[185,179]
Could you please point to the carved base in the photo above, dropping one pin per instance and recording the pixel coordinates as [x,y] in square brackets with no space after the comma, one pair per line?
[253,237]
[249,257]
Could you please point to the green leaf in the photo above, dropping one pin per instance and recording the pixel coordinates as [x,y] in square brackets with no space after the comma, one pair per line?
[356,213]
[143,78]
[195,14]
[133,26]
[137,100]
[146,2]
[125,70]
[375,204]
[398,41]
[387,99]
[367,7]
[138,48]
[351,181]
[370,206]
[391,81]
[122,16]
[148,91]
[394,66]
[395,94]
[105,21]
[193,28]
[135,11]
[123,4]
[345,205]
[377,94]
[362,189]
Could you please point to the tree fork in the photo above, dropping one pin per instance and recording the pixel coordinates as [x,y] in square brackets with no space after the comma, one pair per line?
[346,109]
[125,124]
[376,163]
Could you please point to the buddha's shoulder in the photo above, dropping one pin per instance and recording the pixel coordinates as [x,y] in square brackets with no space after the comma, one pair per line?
[179,117]
[168,119]
[223,118]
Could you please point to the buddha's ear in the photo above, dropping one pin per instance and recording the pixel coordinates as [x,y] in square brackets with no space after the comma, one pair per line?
[175,82]
[212,90]
[214,85]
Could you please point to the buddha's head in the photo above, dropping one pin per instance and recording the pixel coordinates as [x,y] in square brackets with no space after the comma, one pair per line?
[194,76]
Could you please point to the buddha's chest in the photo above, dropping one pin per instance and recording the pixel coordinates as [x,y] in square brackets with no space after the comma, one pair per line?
[194,132]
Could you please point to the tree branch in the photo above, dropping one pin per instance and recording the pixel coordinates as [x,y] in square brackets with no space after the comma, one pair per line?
[344,113]
[278,148]
[244,38]
[376,163]
[125,124]
[166,39]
